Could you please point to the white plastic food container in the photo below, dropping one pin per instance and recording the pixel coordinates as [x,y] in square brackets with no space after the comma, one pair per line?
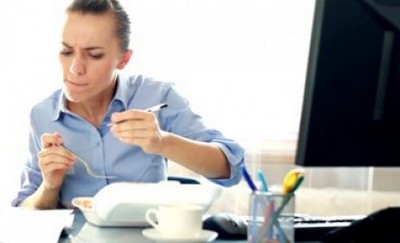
[125,204]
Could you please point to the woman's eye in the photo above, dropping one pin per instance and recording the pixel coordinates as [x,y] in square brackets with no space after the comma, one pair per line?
[65,52]
[96,56]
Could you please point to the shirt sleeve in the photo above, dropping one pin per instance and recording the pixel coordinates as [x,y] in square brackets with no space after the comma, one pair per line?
[180,119]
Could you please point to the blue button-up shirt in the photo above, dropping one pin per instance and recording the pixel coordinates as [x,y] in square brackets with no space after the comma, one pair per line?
[105,153]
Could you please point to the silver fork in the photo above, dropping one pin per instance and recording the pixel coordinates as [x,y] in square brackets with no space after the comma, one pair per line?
[89,170]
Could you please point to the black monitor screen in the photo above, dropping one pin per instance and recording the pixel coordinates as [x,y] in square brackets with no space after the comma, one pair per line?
[351,107]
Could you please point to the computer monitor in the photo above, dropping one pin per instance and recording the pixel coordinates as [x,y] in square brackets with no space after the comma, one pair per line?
[351,106]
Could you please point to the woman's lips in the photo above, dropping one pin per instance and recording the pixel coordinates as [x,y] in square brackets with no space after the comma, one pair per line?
[76,83]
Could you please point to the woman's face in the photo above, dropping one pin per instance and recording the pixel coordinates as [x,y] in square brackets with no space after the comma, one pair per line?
[90,54]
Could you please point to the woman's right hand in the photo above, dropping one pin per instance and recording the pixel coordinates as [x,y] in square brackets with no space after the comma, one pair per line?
[54,161]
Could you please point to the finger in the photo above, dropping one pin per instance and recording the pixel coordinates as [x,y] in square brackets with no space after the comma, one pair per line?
[118,117]
[52,166]
[56,158]
[55,155]
[130,125]
[150,122]
[57,151]
[142,132]
[49,139]
[137,134]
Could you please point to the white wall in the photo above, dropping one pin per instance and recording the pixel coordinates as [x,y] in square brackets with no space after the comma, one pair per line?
[240,62]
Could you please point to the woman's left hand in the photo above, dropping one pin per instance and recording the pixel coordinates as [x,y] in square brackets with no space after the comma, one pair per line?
[139,128]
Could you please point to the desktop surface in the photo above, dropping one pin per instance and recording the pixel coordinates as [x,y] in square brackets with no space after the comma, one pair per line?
[380,225]
[83,231]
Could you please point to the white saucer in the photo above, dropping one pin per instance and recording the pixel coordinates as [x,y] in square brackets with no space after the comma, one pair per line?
[203,236]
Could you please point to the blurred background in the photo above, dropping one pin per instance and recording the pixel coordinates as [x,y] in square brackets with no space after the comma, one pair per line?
[241,63]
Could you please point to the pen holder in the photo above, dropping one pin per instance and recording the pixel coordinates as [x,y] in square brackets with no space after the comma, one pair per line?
[271,217]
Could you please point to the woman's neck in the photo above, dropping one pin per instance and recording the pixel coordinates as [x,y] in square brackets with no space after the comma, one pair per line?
[94,110]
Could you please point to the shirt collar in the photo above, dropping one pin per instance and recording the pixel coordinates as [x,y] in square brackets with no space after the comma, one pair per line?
[121,93]
[60,106]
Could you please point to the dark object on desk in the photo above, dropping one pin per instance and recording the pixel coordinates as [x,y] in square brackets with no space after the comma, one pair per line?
[313,228]
[381,226]
[227,225]
[64,234]
[183,180]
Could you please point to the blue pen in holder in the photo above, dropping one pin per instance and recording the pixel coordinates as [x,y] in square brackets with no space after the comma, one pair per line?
[271,217]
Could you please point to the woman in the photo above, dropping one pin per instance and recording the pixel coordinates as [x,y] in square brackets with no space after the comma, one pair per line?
[95,46]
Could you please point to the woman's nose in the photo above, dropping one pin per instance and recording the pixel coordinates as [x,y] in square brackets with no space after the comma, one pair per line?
[77,68]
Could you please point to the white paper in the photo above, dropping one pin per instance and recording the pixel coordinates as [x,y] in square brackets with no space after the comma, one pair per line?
[19,225]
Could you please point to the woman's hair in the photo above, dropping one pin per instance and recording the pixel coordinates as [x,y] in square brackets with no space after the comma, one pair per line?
[104,6]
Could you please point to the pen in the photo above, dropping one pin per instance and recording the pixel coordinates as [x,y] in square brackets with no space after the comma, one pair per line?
[261,177]
[157,107]
[150,109]
[248,179]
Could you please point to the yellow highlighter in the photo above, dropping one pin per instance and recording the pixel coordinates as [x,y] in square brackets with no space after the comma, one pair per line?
[292,179]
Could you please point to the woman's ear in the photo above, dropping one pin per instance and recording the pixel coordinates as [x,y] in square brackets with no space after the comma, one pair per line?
[125,57]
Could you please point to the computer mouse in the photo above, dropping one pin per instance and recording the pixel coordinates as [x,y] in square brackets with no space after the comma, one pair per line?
[227,225]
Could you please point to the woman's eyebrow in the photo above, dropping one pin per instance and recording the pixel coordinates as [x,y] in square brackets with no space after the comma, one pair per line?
[66,45]
[93,48]
[89,48]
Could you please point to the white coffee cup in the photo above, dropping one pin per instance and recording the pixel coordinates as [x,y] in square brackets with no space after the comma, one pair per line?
[176,220]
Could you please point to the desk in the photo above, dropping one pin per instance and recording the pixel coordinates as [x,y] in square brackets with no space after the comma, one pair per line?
[84,232]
